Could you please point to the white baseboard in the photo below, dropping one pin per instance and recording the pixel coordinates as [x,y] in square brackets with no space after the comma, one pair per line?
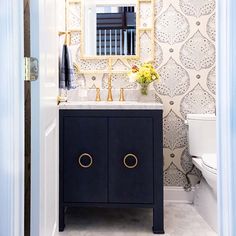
[178,195]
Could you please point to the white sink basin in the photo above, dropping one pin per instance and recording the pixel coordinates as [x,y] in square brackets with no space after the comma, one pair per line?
[115,105]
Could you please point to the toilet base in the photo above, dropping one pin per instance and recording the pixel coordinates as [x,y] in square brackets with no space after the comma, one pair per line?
[205,202]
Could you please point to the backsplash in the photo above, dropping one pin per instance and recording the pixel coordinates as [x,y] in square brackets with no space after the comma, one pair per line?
[185,59]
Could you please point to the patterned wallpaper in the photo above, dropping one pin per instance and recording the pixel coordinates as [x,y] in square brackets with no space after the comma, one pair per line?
[185,59]
[185,30]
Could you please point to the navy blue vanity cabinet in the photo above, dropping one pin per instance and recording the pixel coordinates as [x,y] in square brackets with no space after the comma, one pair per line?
[131,160]
[111,158]
[85,159]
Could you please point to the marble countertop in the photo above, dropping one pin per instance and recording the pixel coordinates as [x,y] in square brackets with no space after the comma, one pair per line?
[115,105]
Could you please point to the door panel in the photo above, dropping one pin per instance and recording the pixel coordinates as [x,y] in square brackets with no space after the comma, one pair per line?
[44,118]
[131,180]
[85,159]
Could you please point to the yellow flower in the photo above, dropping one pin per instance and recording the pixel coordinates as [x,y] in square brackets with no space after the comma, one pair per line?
[144,74]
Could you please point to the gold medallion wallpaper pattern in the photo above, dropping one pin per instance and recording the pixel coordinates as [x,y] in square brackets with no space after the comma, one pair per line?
[185,58]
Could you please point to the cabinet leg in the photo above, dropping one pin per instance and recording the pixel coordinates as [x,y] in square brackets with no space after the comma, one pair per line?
[158,221]
[61,218]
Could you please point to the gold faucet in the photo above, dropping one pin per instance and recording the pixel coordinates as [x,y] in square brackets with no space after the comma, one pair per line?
[98,97]
[109,97]
[122,95]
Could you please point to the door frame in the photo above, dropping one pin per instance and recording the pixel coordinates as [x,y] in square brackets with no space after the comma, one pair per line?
[12,118]
[35,121]
[226,116]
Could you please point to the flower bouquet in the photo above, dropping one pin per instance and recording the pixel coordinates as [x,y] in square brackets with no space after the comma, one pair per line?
[144,75]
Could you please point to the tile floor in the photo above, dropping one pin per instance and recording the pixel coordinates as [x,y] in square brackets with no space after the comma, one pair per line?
[180,220]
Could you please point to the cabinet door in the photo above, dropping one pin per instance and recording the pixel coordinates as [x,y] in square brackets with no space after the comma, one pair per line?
[131,160]
[85,159]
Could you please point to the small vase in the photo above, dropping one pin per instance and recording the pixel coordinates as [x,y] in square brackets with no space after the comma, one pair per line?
[143,95]
[144,89]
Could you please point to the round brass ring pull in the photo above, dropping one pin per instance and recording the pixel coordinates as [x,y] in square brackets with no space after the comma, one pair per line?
[130,166]
[85,155]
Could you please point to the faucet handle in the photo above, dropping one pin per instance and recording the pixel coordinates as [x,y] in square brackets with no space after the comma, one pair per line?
[122,95]
[109,97]
[98,96]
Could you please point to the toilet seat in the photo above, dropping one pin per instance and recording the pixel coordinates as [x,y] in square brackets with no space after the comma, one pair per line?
[209,162]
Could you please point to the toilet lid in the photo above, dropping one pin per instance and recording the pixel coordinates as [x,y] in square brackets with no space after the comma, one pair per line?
[210,160]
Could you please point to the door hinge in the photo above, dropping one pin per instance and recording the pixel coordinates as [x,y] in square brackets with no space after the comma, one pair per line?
[31,69]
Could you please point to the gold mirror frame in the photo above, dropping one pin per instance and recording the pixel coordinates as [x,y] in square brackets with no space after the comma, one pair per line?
[88,64]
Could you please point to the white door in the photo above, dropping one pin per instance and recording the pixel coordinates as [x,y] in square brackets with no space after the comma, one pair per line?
[44,118]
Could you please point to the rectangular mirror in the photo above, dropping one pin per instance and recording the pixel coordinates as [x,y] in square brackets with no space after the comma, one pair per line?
[109,28]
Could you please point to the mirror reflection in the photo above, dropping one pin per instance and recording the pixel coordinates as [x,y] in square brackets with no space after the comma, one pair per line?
[109,30]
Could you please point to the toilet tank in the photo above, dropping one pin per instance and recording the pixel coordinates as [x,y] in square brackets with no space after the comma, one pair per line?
[201,134]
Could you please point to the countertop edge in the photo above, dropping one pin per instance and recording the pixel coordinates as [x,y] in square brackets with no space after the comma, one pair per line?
[97,106]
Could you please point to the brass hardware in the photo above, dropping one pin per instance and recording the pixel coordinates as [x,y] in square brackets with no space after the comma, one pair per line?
[67,40]
[60,33]
[98,97]
[61,99]
[31,69]
[109,97]
[122,95]
[85,155]
[67,34]
[132,166]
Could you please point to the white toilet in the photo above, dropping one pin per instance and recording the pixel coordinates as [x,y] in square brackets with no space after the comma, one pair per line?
[202,148]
